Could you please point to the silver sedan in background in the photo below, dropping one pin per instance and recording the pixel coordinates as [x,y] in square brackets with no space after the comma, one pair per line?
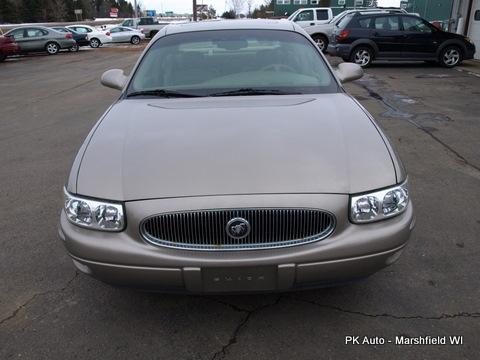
[123,34]
[40,38]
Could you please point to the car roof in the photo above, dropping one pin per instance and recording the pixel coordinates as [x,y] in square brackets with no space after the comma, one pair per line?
[30,27]
[230,25]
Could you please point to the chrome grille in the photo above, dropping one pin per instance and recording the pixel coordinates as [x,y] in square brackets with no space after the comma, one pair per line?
[206,229]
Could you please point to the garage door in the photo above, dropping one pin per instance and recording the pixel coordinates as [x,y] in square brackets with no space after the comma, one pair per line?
[474,26]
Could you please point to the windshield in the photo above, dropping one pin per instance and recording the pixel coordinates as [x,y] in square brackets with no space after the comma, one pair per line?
[293,15]
[206,63]
[338,17]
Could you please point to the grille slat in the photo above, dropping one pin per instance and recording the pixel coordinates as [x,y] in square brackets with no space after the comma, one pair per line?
[270,228]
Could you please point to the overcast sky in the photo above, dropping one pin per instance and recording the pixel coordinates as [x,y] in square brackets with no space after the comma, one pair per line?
[185,6]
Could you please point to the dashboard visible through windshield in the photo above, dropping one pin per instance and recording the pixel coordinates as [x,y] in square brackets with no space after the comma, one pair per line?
[232,62]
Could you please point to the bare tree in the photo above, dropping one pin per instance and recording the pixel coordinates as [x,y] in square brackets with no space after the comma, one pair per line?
[237,6]
[250,4]
[56,10]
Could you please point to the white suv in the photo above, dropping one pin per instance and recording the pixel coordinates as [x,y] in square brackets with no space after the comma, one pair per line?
[95,36]
[311,16]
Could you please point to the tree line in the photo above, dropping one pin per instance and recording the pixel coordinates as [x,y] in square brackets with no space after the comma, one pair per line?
[239,7]
[18,11]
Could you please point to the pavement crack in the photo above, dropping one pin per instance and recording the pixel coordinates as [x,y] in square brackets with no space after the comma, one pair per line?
[386,315]
[233,339]
[396,112]
[35,296]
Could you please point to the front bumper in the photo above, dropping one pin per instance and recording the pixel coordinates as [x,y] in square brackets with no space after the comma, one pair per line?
[352,251]
[470,53]
[10,49]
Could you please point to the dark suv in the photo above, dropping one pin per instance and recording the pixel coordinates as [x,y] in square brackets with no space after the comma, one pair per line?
[363,37]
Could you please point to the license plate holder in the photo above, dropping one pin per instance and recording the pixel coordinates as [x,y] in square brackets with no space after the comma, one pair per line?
[261,278]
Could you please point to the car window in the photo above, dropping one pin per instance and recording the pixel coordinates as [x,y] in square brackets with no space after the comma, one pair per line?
[115,30]
[306,15]
[146,21]
[386,23]
[208,62]
[345,21]
[35,32]
[322,14]
[83,30]
[60,30]
[17,34]
[364,23]
[415,24]
[128,23]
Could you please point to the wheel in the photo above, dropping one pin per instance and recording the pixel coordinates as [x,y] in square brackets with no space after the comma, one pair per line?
[450,56]
[362,56]
[52,48]
[135,40]
[153,33]
[321,41]
[74,48]
[95,43]
[2,57]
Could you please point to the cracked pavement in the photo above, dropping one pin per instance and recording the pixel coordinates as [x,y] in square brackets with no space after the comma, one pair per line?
[48,311]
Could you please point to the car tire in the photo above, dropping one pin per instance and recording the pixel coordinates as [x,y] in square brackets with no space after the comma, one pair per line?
[74,48]
[2,57]
[153,33]
[450,56]
[362,55]
[135,40]
[95,43]
[321,41]
[52,48]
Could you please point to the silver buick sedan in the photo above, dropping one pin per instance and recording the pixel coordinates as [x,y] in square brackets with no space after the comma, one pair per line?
[234,161]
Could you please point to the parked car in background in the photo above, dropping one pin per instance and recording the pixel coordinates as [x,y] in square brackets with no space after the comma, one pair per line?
[364,37]
[311,16]
[96,37]
[40,38]
[8,47]
[80,39]
[322,32]
[121,34]
[147,25]
[282,199]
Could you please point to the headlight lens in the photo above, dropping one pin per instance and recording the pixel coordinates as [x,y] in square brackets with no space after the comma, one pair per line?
[379,205]
[93,214]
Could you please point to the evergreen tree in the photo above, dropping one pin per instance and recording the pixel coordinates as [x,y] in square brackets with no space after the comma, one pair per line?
[8,12]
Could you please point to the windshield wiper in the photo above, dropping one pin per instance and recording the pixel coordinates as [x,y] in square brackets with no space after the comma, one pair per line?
[161,93]
[251,91]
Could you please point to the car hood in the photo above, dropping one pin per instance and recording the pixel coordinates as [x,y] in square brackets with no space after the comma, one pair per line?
[157,148]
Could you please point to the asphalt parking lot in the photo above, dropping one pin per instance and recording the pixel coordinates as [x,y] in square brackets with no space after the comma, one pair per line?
[47,311]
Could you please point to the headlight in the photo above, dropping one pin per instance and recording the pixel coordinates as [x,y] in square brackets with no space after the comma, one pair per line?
[94,214]
[379,205]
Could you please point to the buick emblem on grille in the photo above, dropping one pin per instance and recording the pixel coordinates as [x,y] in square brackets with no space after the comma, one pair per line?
[238,228]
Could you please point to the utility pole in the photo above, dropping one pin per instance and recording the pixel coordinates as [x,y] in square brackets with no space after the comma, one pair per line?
[135,9]
[194,10]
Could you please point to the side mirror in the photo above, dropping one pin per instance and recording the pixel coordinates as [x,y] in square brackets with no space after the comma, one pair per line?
[114,78]
[348,72]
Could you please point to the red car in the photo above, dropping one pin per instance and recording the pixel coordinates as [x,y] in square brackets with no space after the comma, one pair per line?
[8,47]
